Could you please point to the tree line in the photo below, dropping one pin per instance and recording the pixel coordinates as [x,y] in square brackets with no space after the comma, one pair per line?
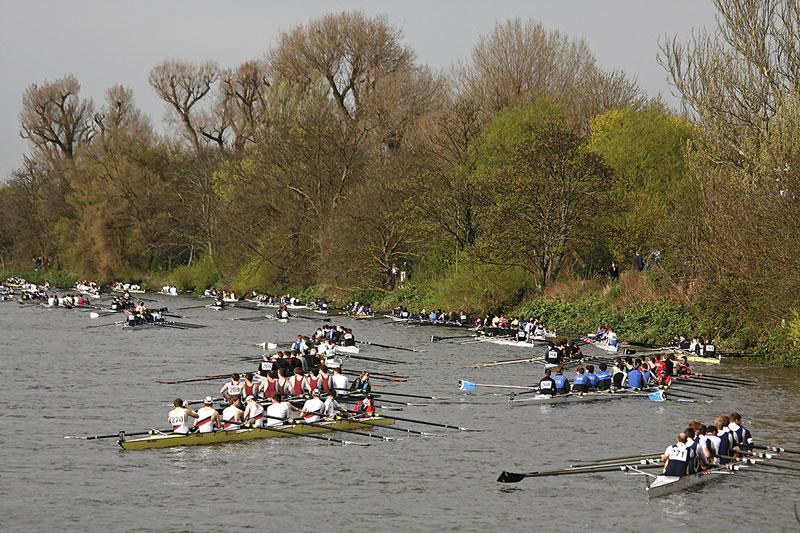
[338,154]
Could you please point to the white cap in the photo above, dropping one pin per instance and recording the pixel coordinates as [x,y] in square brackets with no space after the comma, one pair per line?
[315,392]
[249,397]
[208,400]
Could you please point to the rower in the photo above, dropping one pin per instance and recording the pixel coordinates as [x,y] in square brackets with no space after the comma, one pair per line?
[249,387]
[710,350]
[326,382]
[562,383]
[340,381]
[618,374]
[265,366]
[592,377]
[633,378]
[283,313]
[647,375]
[232,415]
[741,435]
[725,438]
[269,385]
[676,458]
[712,444]
[347,338]
[179,417]
[547,385]
[253,412]
[312,408]
[691,447]
[521,335]
[364,408]
[279,410]
[209,418]
[232,389]
[553,355]
[682,366]
[580,383]
[313,382]
[603,377]
[294,385]
[331,406]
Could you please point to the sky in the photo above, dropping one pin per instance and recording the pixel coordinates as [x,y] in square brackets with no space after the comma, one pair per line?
[106,42]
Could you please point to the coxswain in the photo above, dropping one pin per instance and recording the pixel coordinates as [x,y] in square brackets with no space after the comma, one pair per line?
[253,412]
[682,366]
[603,377]
[547,385]
[278,411]
[219,302]
[347,338]
[562,383]
[294,385]
[361,383]
[208,417]
[364,408]
[710,350]
[340,381]
[313,408]
[232,389]
[592,377]
[233,415]
[265,366]
[180,418]
[331,406]
[553,355]
[618,374]
[676,458]
[742,437]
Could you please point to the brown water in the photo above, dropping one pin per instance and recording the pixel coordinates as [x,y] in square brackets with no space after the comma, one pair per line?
[60,378]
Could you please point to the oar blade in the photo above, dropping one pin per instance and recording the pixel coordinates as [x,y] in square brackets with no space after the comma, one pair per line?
[466,386]
[510,477]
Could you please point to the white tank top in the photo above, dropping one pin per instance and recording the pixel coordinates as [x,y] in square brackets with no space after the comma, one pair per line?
[314,405]
[256,415]
[235,389]
[179,420]
[205,422]
[228,414]
[276,413]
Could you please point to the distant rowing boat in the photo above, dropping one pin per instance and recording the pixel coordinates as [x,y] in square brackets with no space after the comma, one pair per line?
[346,349]
[516,343]
[576,398]
[239,435]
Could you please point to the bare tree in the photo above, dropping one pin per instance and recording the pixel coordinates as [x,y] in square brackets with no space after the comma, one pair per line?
[55,118]
[121,114]
[242,102]
[350,51]
[182,86]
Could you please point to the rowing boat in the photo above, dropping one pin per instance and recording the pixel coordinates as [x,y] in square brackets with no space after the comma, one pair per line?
[346,349]
[239,435]
[575,398]
[663,485]
[515,343]
[706,360]
[601,345]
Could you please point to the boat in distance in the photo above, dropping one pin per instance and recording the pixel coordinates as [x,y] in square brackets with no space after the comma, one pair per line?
[169,440]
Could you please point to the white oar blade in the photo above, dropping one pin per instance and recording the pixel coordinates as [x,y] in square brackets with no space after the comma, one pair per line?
[93,315]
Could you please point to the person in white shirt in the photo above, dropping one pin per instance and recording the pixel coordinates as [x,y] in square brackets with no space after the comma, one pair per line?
[208,417]
[712,444]
[312,408]
[233,415]
[253,412]
[278,411]
[180,418]
[233,389]
[331,406]
[340,382]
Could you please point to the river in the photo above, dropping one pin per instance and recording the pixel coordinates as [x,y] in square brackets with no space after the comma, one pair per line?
[60,378]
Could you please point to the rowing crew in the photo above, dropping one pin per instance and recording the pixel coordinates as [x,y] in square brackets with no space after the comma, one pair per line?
[697,346]
[359,309]
[140,314]
[296,383]
[700,446]
[233,417]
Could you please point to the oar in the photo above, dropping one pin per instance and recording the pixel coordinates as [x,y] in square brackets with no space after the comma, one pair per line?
[191,307]
[192,380]
[389,346]
[407,395]
[469,386]
[723,379]
[761,462]
[374,359]
[634,457]
[436,338]
[104,325]
[253,318]
[484,364]
[318,437]
[514,477]
[770,456]
[298,422]
[116,435]
[749,468]
[395,428]
[775,449]
[689,383]
[392,379]
[312,318]
[425,423]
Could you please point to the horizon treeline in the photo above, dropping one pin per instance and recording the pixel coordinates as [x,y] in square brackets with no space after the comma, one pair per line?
[337,155]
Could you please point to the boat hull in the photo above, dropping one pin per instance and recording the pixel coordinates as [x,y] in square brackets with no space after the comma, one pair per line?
[241,435]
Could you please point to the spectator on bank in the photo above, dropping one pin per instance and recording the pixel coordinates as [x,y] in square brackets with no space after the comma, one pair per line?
[638,262]
[613,272]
